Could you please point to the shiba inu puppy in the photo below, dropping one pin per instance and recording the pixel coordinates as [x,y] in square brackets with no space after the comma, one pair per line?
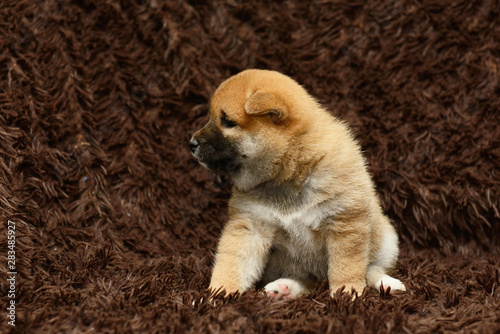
[303,204]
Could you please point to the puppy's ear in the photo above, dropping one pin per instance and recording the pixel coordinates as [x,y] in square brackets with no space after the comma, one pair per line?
[261,103]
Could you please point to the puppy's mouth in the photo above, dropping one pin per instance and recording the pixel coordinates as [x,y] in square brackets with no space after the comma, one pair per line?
[215,159]
[227,165]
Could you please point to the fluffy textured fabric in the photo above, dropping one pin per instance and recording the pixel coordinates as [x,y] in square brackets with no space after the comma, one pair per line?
[116,223]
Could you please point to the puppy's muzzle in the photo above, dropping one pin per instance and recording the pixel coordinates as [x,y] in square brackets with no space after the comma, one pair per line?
[193,145]
[201,148]
[214,151]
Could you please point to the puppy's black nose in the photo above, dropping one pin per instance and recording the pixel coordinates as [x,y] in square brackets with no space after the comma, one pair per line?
[193,145]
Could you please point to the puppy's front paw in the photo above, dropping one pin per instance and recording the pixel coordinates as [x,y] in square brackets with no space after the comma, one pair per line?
[348,288]
[284,288]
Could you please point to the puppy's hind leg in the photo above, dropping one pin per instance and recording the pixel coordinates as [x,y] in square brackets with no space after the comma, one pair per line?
[385,260]
[287,288]
[376,277]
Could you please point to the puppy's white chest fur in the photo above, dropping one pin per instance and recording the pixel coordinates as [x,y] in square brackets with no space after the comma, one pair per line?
[311,213]
[297,237]
[300,224]
[298,219]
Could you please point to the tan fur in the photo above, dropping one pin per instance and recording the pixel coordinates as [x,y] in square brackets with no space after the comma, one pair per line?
[303,204]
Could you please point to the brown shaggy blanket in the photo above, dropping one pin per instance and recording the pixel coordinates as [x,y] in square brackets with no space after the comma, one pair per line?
[116,224]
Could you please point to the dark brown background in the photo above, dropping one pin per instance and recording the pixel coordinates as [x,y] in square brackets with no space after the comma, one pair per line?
[117,225]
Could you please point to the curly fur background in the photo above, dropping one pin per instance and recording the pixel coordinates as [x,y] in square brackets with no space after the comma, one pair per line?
[117,224]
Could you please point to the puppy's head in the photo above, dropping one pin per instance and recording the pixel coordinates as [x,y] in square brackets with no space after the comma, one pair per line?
[252,121]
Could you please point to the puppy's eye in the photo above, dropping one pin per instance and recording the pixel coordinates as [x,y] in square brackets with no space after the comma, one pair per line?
[226,122]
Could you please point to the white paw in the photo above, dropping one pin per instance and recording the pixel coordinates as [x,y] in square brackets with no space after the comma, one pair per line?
[284,288]
[390,282]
